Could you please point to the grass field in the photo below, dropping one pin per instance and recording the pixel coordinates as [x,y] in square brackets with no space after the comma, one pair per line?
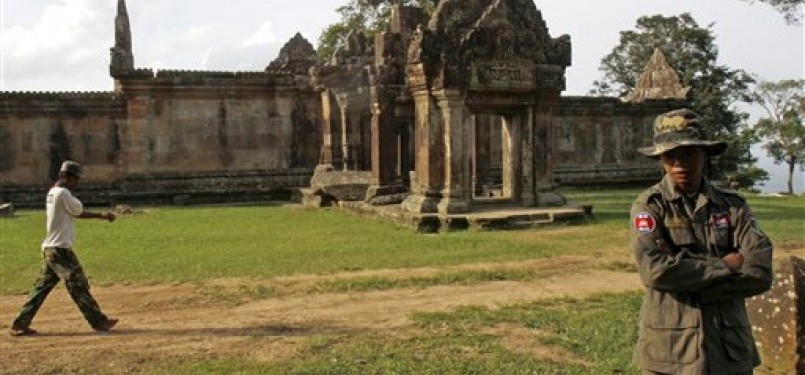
[167,245]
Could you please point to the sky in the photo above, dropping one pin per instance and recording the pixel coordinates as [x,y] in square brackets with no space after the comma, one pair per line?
[63,45]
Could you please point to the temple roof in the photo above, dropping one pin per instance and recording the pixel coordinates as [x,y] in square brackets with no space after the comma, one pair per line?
[658,81]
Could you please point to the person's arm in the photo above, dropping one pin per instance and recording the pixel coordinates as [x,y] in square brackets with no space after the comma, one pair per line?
[666,266]
[93,215]
[75,208]
[753,275]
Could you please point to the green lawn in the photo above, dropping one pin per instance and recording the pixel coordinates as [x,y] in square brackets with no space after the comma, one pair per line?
[593,336]
[168,244]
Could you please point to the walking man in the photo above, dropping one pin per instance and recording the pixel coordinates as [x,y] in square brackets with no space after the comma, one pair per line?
[700,253]
[59,260]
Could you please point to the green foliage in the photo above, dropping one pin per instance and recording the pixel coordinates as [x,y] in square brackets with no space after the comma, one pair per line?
[692,52]
[747,175]
[791,9]
[361,15]
[782,131]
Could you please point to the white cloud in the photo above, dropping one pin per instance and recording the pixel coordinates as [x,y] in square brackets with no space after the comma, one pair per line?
[264,35]
[60,26]
[194,34]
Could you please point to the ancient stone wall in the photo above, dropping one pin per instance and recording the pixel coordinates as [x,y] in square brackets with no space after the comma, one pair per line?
[164,135]
[596,140]
[39,130]
[204,122]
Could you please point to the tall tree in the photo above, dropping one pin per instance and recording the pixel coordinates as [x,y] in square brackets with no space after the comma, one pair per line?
[782,131]
[366,15]
[791,9]
[692,52]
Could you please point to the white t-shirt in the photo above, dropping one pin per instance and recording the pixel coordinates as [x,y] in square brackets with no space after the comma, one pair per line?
[61,207]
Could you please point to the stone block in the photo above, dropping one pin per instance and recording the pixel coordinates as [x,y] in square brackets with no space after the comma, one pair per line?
[777,320]
[6,210]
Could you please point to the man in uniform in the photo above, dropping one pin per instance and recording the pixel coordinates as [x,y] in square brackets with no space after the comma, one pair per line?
[58,257]
[700,253]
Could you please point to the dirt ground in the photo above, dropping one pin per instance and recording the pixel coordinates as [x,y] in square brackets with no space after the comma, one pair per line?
[174,322]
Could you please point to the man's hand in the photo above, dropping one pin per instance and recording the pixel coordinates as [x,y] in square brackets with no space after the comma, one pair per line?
[109,216]
[734,261]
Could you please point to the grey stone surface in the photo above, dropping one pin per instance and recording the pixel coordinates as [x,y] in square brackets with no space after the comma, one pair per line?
[777,319]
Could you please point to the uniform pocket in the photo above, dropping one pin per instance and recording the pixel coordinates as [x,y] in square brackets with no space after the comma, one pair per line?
[671,345]
[738,342]
[670,329]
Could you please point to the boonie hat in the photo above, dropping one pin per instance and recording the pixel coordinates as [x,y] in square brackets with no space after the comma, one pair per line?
[677,128]
[72,168]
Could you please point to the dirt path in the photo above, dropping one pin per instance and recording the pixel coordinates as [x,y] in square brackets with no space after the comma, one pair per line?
[170,322]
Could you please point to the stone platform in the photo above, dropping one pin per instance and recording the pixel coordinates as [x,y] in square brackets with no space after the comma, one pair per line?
[485,217]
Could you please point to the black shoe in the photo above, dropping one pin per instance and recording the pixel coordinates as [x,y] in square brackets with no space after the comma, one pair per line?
[21,331]
[107,325]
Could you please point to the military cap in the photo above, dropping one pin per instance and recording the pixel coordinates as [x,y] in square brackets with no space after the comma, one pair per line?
[72,168]
[677,128]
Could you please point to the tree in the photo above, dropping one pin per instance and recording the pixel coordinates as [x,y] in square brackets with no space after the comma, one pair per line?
[791,9]
[692,52]
[747,175]
[367,15]
[782,131]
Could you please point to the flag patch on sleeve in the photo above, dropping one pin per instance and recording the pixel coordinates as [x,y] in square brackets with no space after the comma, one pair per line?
[645,223]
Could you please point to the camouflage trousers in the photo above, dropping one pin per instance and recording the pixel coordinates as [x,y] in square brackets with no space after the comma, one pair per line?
[60,263]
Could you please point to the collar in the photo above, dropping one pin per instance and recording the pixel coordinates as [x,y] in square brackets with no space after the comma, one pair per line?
[669,192]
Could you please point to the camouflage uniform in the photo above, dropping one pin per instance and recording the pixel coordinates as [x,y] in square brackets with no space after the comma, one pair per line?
[693,319]
[61,263]
[59,260]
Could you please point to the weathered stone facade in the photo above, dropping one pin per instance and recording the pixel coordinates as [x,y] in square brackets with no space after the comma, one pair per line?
[778,321]
[465,109]
[440,112]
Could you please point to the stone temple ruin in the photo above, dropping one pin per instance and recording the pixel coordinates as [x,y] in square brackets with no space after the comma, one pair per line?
[442,118]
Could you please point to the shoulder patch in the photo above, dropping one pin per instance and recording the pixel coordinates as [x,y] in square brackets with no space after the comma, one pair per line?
[644,223]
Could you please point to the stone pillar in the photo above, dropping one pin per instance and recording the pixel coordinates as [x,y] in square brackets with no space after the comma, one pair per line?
[778,320]
[546,195]
[347,133]
[326,159]
[427,180]
[528,197]
[542,148]
[457,193]
[407,154]
[384,147]
[509,136]
[483,156]
[495,144]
